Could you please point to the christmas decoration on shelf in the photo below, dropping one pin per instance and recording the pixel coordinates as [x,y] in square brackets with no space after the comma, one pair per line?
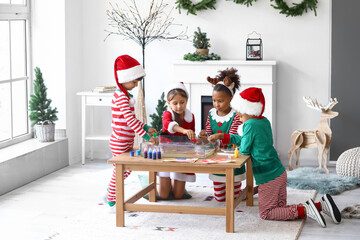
[296,10]
[193,8]
[201,44]
[157,116]
[199,58]
[42,115]
[254,48]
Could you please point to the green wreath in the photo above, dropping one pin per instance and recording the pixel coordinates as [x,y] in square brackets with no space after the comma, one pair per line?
[193,8]
[297,10]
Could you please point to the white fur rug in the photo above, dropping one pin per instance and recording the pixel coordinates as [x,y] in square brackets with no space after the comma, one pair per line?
[99,222]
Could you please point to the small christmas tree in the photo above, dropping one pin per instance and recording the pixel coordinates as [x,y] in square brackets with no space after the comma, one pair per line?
[39,104]
[157,117]
[200,40]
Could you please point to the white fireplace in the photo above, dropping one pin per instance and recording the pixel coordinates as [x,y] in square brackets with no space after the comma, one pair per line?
[260,74]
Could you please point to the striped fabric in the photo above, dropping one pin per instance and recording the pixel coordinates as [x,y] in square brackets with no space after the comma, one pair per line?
[220,190]
[233,129]
[124,125]
[272,200]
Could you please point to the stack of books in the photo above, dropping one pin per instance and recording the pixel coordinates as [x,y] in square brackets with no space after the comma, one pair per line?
[104,89]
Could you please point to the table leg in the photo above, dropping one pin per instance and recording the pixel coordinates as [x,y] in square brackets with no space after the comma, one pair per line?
[83,128]
[152,193]
[120,195]
[229,200]
[249,184]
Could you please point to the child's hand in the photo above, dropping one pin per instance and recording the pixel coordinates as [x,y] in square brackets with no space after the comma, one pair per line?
[202,138]
[151,131]
[190,133]
[203,133]
[215,137]
[154,140]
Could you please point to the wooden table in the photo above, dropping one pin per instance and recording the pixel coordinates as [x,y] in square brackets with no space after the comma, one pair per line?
[137,163]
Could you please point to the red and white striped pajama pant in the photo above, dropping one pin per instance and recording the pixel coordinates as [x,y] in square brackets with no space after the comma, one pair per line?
[220,190]
[118,147]
[272,200]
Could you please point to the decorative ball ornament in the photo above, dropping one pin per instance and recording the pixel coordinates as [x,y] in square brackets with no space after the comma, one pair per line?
[348,163]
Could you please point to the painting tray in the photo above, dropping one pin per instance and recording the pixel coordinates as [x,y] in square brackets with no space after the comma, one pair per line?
[180,147]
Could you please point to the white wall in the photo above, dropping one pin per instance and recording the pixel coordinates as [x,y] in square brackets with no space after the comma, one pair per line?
[48,40]
[300,45]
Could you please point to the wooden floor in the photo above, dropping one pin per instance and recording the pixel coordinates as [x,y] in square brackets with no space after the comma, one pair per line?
[30,212]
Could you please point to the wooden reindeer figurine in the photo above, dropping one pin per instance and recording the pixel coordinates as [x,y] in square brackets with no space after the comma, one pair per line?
[319,138]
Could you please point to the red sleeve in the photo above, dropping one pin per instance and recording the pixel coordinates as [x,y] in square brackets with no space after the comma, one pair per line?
[235,125]
[124,107]
[208,127]
[226,139]
[167,119]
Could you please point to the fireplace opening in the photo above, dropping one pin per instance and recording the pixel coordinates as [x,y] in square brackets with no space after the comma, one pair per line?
[206,105]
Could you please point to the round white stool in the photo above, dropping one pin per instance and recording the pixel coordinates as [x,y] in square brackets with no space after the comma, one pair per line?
[348,164]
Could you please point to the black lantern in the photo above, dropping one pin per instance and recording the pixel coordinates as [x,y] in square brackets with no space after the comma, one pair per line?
[254,50]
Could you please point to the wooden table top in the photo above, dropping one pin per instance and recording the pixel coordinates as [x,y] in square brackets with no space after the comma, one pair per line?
[125,158]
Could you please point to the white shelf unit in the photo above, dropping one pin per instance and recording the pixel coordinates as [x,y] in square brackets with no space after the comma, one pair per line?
[92,99]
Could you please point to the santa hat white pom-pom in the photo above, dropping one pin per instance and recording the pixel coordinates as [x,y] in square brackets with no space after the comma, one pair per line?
[132,101]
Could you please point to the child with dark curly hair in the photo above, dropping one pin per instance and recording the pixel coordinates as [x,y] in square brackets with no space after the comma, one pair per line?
[223,119]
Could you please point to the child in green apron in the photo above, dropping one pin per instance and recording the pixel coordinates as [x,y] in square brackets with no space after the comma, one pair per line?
[223,119]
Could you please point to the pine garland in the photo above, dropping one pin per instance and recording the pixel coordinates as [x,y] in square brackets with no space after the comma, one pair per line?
[39,104]
[200,58]
[157,117]
[193,8]
[297,10]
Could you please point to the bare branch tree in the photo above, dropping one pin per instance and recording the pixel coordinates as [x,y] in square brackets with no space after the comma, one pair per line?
[130,23]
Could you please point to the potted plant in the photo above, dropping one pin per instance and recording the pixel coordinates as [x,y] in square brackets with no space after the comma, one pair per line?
[201,42]
[42,115]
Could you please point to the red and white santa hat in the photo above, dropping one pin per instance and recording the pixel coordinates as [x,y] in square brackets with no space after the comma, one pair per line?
[127,69]
[252,102]
[178,85]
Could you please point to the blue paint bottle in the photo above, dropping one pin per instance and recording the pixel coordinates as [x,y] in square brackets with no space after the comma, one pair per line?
[159,153]
[150,153]
[154,155]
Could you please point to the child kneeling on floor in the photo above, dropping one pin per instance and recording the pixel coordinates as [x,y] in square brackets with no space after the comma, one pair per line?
[268,170]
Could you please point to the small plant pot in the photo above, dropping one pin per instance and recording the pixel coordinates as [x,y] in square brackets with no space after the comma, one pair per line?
[45,133]
[202,51]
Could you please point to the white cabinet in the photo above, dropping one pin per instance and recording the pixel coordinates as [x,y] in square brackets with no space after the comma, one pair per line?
[260,74]
[92,99]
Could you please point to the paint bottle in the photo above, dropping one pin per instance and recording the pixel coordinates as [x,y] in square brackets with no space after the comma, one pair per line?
[150,153]
[131,153]
[159,153]
[138,152]
[154,155]
[236,153]
[145,153]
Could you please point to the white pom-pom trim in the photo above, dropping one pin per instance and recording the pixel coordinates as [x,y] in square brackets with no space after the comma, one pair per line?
[247,107]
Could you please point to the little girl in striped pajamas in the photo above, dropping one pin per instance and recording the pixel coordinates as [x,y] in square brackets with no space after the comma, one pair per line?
[223,119]
[128,72]
[268,170]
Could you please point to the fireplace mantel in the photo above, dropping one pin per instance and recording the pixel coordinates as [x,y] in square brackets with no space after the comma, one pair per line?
[260,74]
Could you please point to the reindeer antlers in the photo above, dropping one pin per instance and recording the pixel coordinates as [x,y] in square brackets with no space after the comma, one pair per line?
[312,103]
[213,81]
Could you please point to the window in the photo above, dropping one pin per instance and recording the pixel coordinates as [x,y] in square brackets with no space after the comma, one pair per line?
[14,71]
